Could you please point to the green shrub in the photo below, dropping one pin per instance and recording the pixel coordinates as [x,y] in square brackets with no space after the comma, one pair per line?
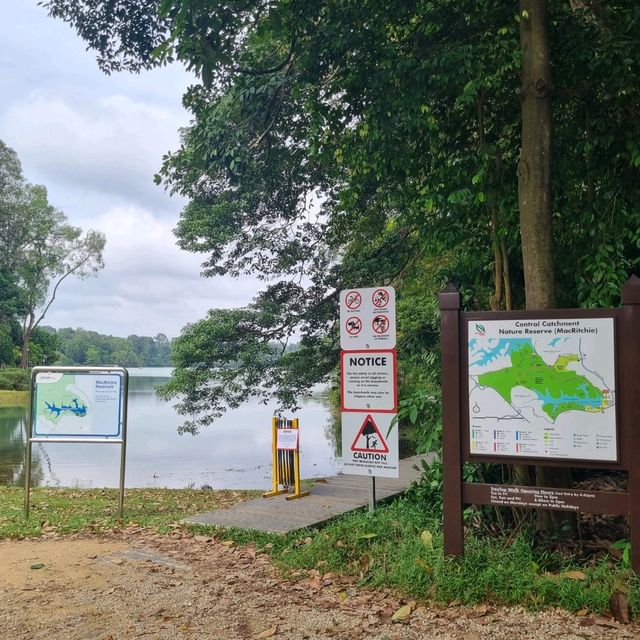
[14,379]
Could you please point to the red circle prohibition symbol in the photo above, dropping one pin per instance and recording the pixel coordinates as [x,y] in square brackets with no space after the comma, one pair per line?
[380,298]
[380,324]
[354,326]
[353,300]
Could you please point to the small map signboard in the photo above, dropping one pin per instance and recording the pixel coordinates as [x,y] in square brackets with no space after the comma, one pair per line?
[78,404]
[368,318]
[370,444]
[542,388]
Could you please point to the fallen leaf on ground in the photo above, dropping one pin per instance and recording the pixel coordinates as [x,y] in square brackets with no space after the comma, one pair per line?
[427,539]
[267,633]
[402,614]
[573,575]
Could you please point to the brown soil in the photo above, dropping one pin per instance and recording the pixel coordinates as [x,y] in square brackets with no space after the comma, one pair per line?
[183,587]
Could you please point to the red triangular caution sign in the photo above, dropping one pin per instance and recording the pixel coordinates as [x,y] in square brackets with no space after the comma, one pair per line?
[369,438]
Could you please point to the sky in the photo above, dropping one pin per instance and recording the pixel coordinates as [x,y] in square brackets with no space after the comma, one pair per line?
[95,141]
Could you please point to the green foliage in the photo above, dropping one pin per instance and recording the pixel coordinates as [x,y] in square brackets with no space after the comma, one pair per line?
[81,347]
[14,379]
[336,145]
[38,251]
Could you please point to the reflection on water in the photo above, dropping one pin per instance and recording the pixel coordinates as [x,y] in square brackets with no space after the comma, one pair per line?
[233,453]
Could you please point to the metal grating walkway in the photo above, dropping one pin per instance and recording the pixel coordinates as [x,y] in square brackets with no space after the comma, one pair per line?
[329,498]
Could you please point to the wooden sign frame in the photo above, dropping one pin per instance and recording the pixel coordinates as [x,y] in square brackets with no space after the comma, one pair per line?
[455,420]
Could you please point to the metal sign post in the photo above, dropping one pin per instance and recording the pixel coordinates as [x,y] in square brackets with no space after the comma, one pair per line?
[368,373]
[78,405]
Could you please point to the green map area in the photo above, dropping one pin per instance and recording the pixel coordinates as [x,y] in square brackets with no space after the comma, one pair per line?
[559,388]
[57,400]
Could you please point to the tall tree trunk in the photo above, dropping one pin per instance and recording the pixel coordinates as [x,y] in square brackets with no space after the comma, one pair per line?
[534,195]
[534,168]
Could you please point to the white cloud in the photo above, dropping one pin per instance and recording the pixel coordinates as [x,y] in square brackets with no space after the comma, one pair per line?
[95,142]
[148,285]
[110,146]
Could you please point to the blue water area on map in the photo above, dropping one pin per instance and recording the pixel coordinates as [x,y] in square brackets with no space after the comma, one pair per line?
[582,401]
[497,348]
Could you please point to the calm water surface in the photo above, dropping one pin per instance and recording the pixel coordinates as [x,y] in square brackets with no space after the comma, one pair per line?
[234,453]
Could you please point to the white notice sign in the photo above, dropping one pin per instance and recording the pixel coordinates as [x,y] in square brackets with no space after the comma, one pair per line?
[369,381]
[543,388]
[370,444]
[368,318]
[287,439]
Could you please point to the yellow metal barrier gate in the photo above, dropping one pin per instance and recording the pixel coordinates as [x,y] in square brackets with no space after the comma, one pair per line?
[286,458]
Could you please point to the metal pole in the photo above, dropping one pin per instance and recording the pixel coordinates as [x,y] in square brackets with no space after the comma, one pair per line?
[27,455]
[123,449]
[27,478]
[372,495]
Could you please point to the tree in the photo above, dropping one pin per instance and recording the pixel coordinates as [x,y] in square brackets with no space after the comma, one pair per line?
[54,251]
[38,251]
[422,132]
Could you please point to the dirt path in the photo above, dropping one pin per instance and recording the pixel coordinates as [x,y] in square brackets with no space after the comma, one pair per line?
[139,585]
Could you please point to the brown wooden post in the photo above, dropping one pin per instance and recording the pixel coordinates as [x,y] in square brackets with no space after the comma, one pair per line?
[449,300]
[630,405]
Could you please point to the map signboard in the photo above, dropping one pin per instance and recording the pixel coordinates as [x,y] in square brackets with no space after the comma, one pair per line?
[368,318]
[370,444]
[77,404]
[542,388]
[369,381]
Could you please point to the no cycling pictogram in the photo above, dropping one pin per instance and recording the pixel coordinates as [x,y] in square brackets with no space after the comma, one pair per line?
[354,326]
[353,300]
[380,298]
[380,324]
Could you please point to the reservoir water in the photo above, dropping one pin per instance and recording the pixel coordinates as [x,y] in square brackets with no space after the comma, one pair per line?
[233,453]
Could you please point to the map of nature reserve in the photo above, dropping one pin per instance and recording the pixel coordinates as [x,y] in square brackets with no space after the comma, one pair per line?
[543,388]
[77,404]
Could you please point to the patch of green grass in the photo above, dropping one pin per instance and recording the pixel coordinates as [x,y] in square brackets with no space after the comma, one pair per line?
[14,398]
[96,510]
[401,546]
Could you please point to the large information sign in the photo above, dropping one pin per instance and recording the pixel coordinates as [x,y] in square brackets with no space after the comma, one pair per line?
[79,404]
[542,388]
[548,387]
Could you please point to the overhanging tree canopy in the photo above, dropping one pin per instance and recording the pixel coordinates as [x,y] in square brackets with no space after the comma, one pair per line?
[344,143]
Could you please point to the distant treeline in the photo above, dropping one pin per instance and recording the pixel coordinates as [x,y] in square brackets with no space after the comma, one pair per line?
[80,347]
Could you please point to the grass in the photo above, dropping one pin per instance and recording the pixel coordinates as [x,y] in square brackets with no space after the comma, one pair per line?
[13,398]
[400,546]
[96,510]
